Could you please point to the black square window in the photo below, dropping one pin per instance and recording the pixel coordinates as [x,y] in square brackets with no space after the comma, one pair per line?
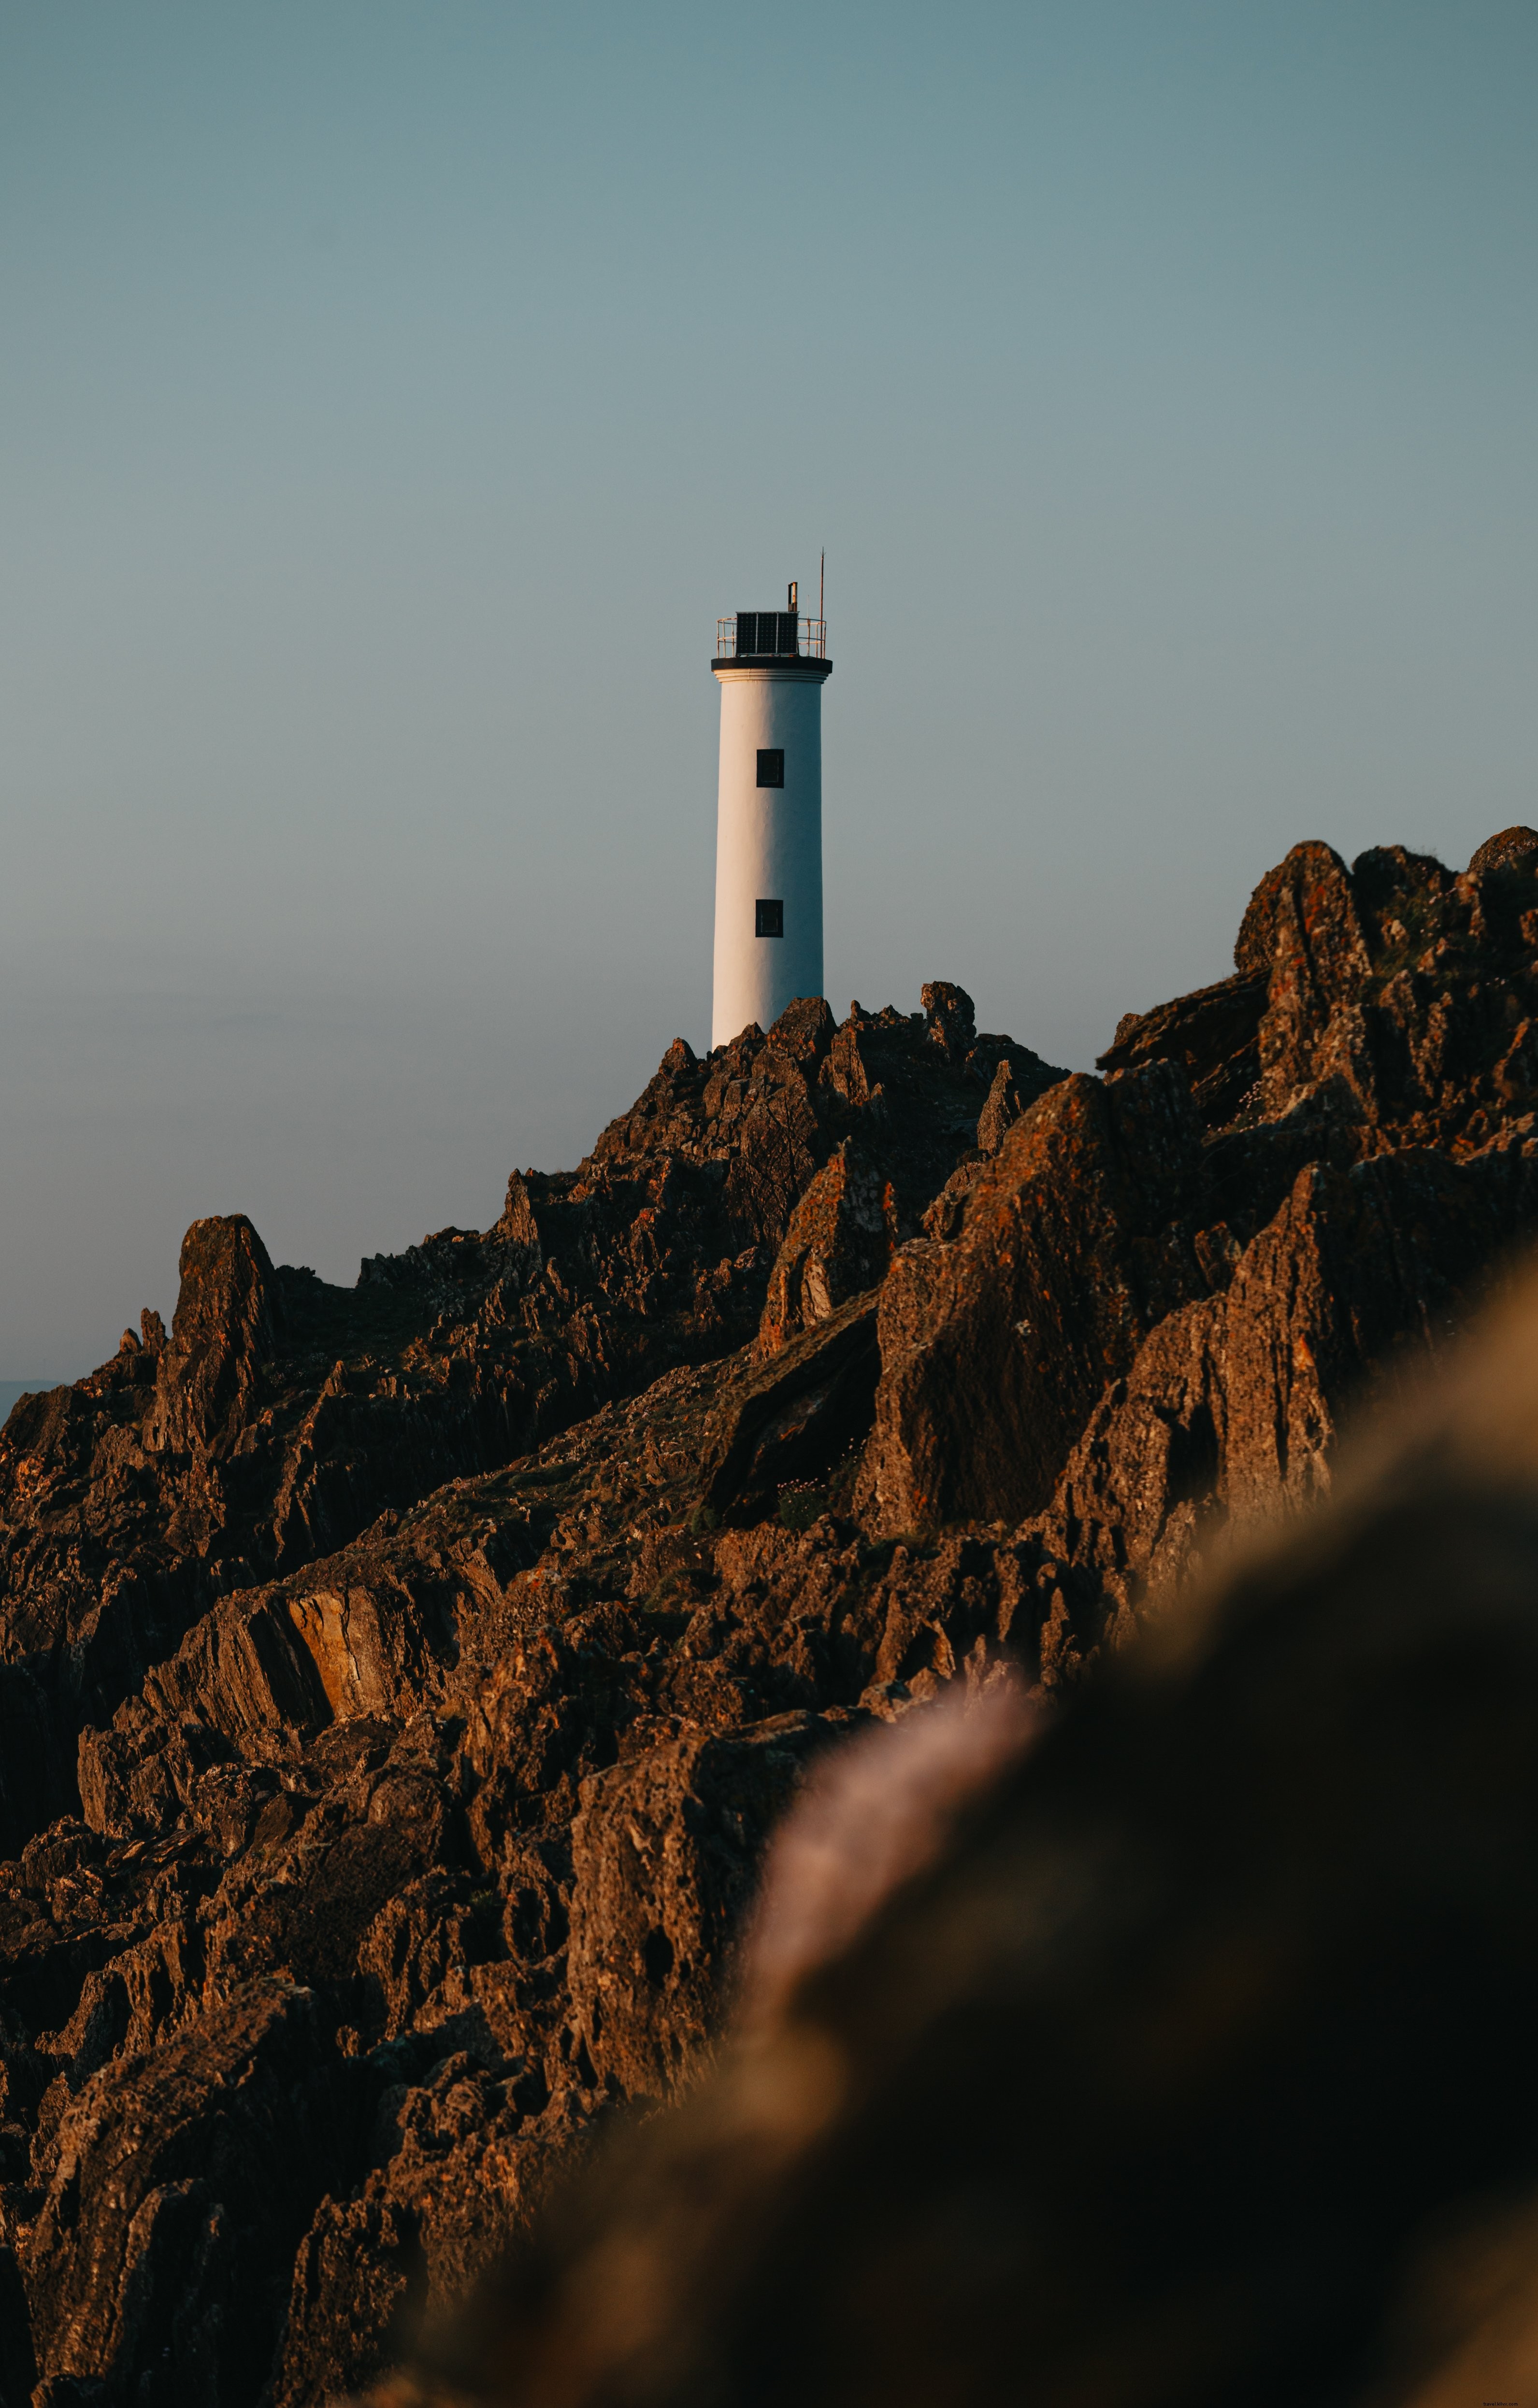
[769,919]
[771,765]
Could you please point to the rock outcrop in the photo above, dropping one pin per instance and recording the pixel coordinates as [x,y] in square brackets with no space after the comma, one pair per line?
[184,2181]
[996,1344]
[285,1416]
[398,1683]
[839,1241]
[664,1848]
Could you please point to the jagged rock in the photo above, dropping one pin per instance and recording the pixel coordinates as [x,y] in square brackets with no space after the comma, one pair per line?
[527,1517]
[1319,966]
[226,1328]
[284,1416]
[1496,852]
[1001,1111]
[518,1224]
[1196,2071]
[951,1016]
[1397,986]
[810,1405]
[1230,1414]
[664,1850]
[356,2280]
[1214,1032]
[464,2149]
[838,1243]
[994,1346]
[1307,897]
[184,2180]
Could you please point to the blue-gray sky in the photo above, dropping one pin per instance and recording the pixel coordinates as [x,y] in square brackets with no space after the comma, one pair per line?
[391,396]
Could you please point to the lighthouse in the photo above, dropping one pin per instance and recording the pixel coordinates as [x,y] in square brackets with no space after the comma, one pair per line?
[771,666]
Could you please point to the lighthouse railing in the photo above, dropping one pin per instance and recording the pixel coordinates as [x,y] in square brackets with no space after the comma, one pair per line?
[811,642]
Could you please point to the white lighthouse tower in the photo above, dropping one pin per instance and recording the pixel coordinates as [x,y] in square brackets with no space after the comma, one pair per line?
[770,666]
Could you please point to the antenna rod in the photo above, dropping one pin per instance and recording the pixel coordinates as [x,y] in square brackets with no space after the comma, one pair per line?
[822,580]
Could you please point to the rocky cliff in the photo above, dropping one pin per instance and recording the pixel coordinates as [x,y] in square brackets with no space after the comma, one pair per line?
[397,1684]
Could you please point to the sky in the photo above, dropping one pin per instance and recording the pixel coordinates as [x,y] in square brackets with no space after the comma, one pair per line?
[392,395]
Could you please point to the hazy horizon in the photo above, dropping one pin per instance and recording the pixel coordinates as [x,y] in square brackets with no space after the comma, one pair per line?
[392,399]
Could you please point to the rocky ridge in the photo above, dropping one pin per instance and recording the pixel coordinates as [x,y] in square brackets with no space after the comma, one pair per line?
[397,1685]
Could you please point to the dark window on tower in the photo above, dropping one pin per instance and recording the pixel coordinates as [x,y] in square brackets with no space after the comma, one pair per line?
[769,919]
[771,765]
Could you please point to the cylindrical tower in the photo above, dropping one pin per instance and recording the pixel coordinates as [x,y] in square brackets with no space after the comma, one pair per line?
[770,666]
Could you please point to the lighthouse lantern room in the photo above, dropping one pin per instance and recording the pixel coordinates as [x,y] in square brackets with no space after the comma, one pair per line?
[771,666]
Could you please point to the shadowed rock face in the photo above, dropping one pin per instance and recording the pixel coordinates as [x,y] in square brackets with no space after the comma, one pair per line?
[995,1345]
[839,1241]
[226,1330]
[182,2185]
[443,1649]
[663,1852]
